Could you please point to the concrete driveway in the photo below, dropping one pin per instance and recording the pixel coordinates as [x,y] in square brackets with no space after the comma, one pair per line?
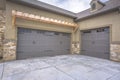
[65,67]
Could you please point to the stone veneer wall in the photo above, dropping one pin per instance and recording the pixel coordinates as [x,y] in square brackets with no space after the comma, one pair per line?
[2,27]
[1,42]
[75,47]
[7,47]
[115,52]
[9,50]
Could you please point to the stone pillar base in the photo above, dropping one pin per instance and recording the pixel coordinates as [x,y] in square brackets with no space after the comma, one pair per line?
[115,52]
[75,47]
[1,44]
[9,50]
[2,27]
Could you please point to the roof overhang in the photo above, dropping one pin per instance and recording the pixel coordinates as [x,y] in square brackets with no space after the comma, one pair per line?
[96,14]
[45,7]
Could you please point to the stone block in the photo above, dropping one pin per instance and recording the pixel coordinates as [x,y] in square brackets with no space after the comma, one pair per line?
[75,48]
[115,52]
[2,29]
[9,50]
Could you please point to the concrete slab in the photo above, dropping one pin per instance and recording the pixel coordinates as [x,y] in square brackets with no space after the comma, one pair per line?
[91,61]
[16,67]
[76,71]
[97,75]
[115,77]
[65,67]
[1,70]
[59,61]
[44,74]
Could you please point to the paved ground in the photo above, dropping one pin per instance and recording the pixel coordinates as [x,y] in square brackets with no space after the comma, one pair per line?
[66,67]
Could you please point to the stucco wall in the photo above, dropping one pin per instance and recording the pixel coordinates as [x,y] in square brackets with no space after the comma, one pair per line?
[10,41]
[110,19]
[10,31]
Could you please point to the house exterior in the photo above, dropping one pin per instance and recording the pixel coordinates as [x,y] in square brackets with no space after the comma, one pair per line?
[30,28]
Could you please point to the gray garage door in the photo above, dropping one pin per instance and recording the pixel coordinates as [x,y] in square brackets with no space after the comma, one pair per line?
[39,43]
[96,43]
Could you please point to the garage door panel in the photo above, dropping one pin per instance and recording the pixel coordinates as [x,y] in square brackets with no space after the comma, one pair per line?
[38,43]
[96,42]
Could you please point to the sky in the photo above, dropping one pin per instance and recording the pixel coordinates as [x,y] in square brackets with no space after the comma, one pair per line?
[71,5]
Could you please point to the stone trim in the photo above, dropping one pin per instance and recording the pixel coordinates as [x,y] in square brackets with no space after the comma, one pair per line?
[1,43]
[9,50]
[115,52]
[2,28]
[75,47]
[7,46]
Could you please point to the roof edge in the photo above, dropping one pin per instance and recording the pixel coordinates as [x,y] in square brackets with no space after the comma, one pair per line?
[107,11]
[44,6]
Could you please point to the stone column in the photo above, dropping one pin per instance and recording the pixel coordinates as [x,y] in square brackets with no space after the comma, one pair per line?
[2,27]
[9,50]
[1,43]
[115,52]
[75,47]
[7,46]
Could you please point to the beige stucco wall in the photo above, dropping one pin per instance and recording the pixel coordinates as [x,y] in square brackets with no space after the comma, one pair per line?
[2,4]
[111,19]
[10,35]
[11,31]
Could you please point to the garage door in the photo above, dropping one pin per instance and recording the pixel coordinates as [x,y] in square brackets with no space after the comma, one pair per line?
[39,43]
[96,43]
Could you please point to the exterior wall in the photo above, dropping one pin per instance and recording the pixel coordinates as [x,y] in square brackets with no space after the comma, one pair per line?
[10,31]
[75,47]
[9,50]
[2,4]
[112,20]
[10,41]
[115,52]
[2,26]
